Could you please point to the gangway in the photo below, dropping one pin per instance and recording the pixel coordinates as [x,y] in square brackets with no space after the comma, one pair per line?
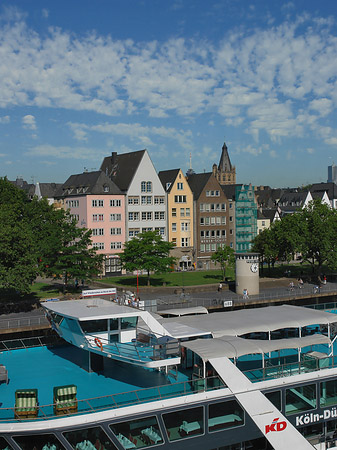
[274,426]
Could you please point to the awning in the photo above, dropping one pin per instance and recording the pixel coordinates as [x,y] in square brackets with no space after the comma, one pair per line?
[234,347]
[237,323]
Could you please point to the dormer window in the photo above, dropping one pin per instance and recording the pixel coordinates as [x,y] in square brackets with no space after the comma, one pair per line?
[106,188]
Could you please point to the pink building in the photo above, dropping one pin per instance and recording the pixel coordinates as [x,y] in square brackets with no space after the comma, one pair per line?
[98,204]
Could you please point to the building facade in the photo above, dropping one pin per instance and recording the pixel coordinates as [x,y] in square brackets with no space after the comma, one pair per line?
[245,217]
[179,216]
[98,204]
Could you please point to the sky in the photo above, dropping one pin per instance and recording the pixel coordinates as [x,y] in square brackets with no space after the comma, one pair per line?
[80,79]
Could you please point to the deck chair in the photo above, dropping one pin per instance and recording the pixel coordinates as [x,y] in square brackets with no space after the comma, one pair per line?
[3,373]
[25,403]
[65,401]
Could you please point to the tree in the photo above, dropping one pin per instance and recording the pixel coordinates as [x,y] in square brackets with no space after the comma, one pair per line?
[225,257]
[147,251]
[67,251]
[265,244]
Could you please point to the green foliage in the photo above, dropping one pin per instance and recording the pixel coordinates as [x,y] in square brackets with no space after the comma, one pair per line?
[36,240]
[311,232]
[147,251]
[225,257]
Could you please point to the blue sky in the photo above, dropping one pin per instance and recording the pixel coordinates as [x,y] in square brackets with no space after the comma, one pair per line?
[80,79]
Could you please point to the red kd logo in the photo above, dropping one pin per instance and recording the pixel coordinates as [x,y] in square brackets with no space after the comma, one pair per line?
[276,426]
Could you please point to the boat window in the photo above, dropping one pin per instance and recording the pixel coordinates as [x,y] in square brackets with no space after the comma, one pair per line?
[56,317]
[139,433]
[4,445]
[275,398]
[38,441]
[301,398]
[225,415]
[128,322]
[185,423]
[94,326]
[114,324]
[71,325]
[86,438]
[328,393]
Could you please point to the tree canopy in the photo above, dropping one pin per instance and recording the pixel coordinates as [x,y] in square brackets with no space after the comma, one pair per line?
[225,257]
[36,239]
[310,232]
[147,251]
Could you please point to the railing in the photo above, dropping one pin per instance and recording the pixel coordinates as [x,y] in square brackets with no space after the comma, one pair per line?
[286,370]
[39,341]
[7,324]
[120,400]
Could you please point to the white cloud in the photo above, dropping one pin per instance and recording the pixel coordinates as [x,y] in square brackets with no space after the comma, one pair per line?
[45,13]
[273,154]
[310,150]
[322,105]
[66,152]
[5,119]
[29,122]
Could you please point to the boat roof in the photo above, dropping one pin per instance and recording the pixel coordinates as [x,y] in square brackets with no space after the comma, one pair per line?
[91,308]
[234,347]
[184,311]
[243,321]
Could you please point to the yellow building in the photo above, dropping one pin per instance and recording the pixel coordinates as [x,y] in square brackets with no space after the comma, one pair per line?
[179,216]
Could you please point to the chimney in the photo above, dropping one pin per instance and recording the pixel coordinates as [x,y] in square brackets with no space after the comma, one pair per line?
[113,158]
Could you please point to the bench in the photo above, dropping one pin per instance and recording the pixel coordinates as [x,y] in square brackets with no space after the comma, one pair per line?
[65,401]
[25,404]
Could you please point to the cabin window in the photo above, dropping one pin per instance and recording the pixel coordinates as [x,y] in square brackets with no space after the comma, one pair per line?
[225,415]
[95,436]
[94,326]
[301,398]
[34,441]
[128,322]
[184,424]
[275,398]
[138,433]
[328,393]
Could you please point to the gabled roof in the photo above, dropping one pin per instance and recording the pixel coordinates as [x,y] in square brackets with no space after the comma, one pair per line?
[122,168]
[49,190]
[198,181]
[229,191]
[88,183]
[329,188]
[168,176]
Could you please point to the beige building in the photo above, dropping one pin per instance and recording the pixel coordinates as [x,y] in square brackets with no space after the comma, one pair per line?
[179,216]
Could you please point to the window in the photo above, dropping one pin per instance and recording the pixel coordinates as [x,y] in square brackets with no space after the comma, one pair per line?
[149,186]
[98,232]
[159,200]
[231,218]
[146,200]
[184,423]
[230,205]
[72,203]
[115,217]
[79,438]
[160,230]
[113,265]
[174,227]
[159,215]
[230,231]
[180,198]
[75,216]
[188,212]
[35,441]
[202,207]
[133,216]
[202,248]
[184,242]
[275,398]
[225,415]
[202,221]
[143,186]
[174,241]
[133,200]
[146,215]
[300,398]
[106,189]
[96,203]
[223,233]
[180,186]
[115,202]
[328,393]
[207,220]
[114,231]
[202,233]
[145,432]
[218,220]
[133,232]
[174,212]
[212,220]
[182,212]
[207,247]
[98,217]
[98,245]
[185,226]
[213,247]
[115,245]
[144,230]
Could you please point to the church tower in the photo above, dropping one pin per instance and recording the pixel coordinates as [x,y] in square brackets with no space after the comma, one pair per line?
[225,173]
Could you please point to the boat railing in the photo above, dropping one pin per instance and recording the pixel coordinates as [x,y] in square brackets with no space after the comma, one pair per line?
[287,369]
[120,400]
[38,341]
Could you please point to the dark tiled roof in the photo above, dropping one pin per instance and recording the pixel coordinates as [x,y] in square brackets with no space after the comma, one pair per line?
[229,191]
[49,190]
[330,188]
[29,188]
[168,176]
[88,183]
[197,182]
[122,168]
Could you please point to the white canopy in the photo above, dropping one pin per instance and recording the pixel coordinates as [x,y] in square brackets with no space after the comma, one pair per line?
[237,323]
[234,347]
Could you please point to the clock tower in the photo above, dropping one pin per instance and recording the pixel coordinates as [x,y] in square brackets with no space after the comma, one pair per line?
[247,273]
